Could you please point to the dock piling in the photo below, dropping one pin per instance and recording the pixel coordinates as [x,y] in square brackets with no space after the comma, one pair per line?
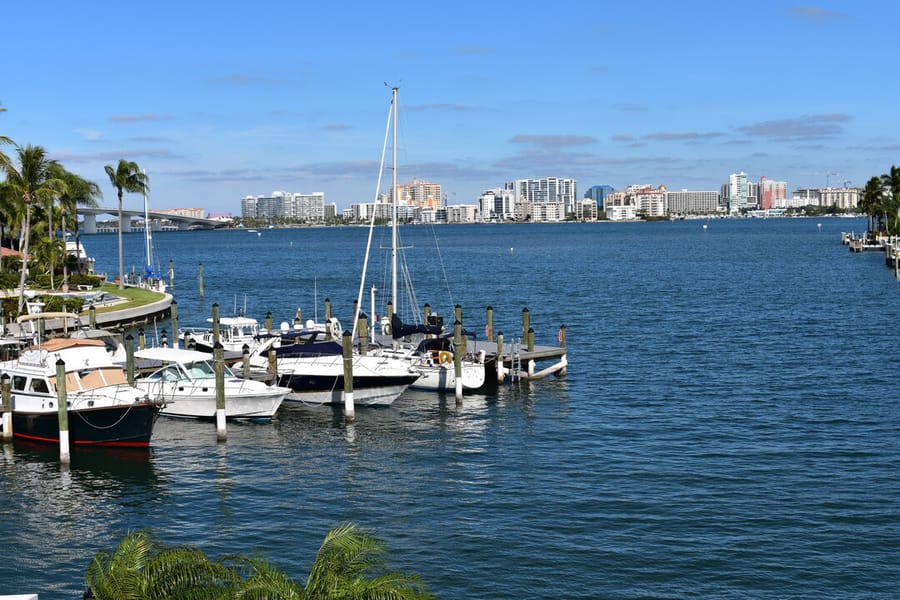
[219,368]
[215,323]
[62,401]
[129,358]
[6,393]
[174,318]
[363,333]
[489,324]
[273,364]
[457,356]
[200,278]
[501,370]
[347,347]
[245,356]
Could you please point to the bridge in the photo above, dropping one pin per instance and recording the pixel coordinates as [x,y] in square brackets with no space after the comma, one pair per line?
[182,222]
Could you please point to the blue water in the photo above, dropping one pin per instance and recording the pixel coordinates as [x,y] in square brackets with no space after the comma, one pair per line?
[728,426]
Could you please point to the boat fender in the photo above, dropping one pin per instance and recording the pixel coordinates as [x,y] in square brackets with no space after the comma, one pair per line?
[336,330]
[445,357]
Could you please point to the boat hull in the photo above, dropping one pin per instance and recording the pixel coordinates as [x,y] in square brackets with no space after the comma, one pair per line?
[443,377]
[377,380]
[367,391]
[244,399]
[125,425]
[196,406]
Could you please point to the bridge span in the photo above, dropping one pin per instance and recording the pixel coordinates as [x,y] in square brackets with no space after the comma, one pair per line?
[182,222]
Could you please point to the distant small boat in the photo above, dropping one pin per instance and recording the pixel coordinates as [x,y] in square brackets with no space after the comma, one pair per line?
[252,231]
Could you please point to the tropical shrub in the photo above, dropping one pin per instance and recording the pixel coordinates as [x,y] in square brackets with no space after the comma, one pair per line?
[348,566]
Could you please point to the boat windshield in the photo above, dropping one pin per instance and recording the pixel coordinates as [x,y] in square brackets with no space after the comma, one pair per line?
[204,369]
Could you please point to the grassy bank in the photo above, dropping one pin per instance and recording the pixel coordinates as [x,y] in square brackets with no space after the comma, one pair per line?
[134,297]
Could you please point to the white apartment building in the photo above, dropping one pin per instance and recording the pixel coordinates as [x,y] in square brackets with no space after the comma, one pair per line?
[648,201]
[690,202]
[549,190]
[738,192]
[496,204]
[844,198]
[284,205]
[586,210]
[621,212]
[462,213]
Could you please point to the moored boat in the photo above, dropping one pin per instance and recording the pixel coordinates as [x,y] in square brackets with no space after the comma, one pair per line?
[103,410]
[314,369]
[186,382]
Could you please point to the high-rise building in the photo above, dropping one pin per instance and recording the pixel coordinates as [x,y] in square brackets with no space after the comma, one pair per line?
[549,190]
[599,193]
[423,194]
[284,205]
[772,193]
[496,204]
[690,202]
[738,192]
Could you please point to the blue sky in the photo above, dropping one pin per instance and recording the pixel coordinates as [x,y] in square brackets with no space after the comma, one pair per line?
[220,100]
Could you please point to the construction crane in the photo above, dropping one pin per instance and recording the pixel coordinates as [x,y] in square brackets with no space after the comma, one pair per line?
[847,182]
[828,175]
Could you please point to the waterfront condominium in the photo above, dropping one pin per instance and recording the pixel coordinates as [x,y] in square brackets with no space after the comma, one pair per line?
[284,205]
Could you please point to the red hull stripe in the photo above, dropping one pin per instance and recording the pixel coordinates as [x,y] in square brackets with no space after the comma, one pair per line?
[76,443]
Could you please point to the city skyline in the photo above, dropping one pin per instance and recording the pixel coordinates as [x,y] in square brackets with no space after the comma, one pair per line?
[216,107]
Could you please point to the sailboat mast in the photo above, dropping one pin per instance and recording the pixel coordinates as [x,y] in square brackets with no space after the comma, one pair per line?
[148,269]
[394,207]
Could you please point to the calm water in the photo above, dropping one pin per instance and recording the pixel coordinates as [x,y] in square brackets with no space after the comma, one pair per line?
[728,426]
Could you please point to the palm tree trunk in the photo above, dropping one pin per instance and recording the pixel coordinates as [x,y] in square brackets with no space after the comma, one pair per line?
[52,239]
[24,255]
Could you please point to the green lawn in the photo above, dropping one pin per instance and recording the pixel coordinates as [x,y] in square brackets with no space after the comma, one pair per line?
[134,297]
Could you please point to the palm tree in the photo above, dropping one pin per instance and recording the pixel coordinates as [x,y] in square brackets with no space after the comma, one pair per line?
[4,161]
[348,566]
[78,192]
[142,569]
[30,182]
[891,182]
[126,177]
[872,201]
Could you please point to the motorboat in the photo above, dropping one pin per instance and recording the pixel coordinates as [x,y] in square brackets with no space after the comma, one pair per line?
[103,409]
[234,333]
[186,382]
[312,365]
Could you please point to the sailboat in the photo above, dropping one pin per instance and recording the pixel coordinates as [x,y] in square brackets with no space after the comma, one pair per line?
[311,363]
[150,280]
[427,347]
